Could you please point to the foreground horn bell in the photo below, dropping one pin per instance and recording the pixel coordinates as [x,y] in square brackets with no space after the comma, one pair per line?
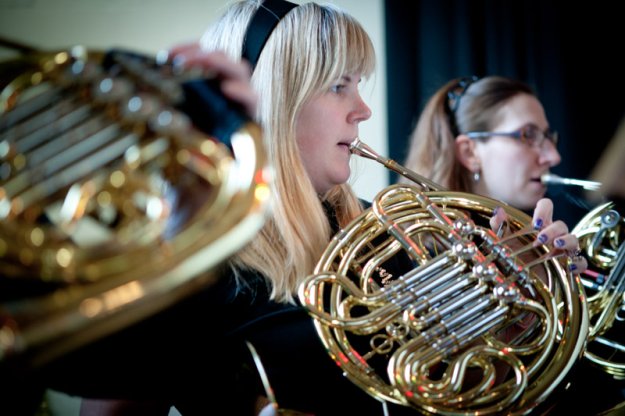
[478,323]
[124,183]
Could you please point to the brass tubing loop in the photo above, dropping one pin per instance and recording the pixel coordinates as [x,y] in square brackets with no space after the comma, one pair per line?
[481,322]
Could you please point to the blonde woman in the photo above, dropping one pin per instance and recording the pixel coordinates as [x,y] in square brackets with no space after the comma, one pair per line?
[307,62]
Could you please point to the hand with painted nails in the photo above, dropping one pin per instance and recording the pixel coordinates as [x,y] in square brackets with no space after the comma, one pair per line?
[553,234]
[556,235]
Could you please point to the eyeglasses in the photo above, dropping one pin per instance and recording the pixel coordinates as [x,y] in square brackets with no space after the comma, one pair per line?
[457,91]
[530,135]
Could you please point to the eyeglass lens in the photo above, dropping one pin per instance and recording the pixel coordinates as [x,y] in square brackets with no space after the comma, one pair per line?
[536,137]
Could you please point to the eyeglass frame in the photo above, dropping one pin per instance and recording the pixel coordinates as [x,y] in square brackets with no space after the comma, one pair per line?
[548,134]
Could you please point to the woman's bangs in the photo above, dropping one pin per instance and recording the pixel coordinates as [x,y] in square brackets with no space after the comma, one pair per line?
[360,56]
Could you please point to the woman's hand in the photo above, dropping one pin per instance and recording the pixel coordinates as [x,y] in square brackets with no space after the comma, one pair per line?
[234,76]
[557,235]
[551,233]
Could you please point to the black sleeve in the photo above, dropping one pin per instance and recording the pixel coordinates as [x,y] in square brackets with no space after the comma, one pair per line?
[159,358]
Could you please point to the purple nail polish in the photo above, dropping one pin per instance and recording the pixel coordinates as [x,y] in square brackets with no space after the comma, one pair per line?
[542,238]
[572,266]
[559,242]
[538,224]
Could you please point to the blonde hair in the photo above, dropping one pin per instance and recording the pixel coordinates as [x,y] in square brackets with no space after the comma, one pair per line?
[310,48]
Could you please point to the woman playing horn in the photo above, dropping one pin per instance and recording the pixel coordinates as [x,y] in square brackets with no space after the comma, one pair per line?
[307,63]
[491,136]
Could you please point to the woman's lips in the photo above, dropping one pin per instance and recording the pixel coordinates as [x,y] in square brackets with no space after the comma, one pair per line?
[345,146]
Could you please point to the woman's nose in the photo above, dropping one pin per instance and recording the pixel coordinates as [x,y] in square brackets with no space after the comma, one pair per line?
[361,111]
[550,154]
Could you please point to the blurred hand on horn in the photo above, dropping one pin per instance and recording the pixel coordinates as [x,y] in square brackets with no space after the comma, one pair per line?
[235,76]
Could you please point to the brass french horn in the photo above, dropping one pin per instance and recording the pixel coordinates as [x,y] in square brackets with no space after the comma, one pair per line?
[482,322]
[116,200]
[601,233]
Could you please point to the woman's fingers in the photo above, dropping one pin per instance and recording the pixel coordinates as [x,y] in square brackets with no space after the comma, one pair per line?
[543,214]
[578,264]
[183,48]
[234,76]
[556,231]
[498,221]
[556,235]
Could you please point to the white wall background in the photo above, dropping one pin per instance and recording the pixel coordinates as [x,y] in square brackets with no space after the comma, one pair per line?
[150,25]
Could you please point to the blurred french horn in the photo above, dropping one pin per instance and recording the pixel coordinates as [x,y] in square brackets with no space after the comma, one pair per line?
[601,233]
[124,182]
[481,322]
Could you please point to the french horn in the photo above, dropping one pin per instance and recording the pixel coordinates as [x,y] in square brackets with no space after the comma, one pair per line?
[601,233]
[481,322]
[124,182]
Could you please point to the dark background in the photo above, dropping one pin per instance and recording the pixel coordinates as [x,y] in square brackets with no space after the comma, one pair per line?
[568,54]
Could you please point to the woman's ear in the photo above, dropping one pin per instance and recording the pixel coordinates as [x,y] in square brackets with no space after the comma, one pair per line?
[466,154]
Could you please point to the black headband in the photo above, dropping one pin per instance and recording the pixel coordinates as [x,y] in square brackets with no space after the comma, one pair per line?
[262,24]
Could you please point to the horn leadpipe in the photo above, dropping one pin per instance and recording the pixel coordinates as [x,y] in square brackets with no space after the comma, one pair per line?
[360,148]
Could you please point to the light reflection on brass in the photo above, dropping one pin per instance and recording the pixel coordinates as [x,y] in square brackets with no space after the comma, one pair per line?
[118,178]
[19,161]
[61,58]
[104,198]
[64,257]
[36,78]
[183,156]
[91,307]
[208,147]
[37,236]
[112,299]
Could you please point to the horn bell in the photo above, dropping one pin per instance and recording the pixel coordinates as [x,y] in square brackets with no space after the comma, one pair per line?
[114,204]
